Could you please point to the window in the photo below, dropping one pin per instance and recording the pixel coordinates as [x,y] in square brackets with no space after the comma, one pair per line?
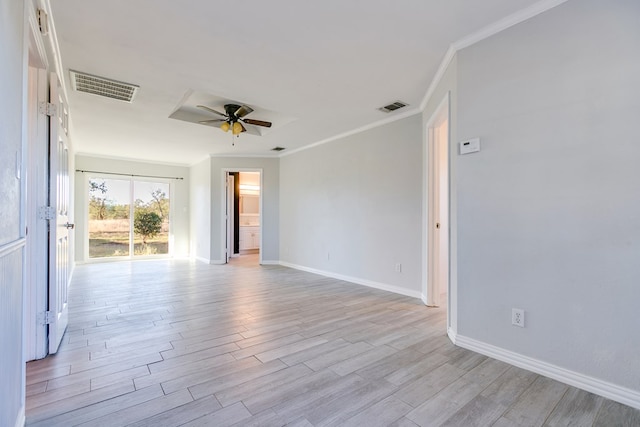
[127,218]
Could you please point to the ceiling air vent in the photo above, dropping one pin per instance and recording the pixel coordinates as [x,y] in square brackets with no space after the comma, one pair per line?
[393,107]
[277,148]
[83,82]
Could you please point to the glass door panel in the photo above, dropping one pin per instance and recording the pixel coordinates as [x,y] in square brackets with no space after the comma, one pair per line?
[109,217]
[150,218]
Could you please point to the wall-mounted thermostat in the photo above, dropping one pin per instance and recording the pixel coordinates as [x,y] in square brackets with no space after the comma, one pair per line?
[470,146]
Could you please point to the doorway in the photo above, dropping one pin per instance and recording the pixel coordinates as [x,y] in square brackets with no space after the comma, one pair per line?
[243,215]
[438,199]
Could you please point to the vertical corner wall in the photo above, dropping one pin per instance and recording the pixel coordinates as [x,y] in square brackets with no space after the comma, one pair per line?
[548,212]
[12,84]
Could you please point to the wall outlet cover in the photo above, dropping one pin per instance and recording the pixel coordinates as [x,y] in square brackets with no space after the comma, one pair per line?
[517,317]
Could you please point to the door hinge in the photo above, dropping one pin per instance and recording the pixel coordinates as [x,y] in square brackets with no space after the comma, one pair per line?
[46,317]
[47,108]
[47,213]
[43,22]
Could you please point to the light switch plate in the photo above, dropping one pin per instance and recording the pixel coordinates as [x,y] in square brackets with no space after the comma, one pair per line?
[470,146]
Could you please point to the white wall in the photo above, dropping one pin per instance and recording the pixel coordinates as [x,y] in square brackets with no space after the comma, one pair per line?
[352,207]
[548,212]
[12,88]
[179,196]
[270,226]
[200,197]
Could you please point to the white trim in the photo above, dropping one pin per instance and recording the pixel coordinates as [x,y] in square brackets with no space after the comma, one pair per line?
[55,48]
[217,262]
[21,419]
[483,33]
[594,385]
[135,160]
[34,29]
[451,52]
[356,280]
[432,292]
[506,22]
[250,156]
[11,247]
[453,336]
[369,126]
[270,262]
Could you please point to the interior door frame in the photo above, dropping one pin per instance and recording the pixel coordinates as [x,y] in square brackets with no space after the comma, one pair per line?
[223,214]
[430,288]
[229,215]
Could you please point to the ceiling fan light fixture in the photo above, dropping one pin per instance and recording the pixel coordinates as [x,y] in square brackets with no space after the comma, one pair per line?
[237,128]
[225,127]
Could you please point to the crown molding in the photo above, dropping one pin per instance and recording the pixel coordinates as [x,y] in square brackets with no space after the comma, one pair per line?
[488,31]
[375,124]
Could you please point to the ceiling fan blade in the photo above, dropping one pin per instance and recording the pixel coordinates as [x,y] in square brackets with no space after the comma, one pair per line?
[211,110]
[257,122]
[243,128]
[243,111]
[212,121]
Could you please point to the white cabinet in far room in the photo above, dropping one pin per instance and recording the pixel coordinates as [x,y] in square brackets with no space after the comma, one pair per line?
[249,238]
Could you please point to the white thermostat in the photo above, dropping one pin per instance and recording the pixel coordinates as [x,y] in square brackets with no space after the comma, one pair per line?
[470,146]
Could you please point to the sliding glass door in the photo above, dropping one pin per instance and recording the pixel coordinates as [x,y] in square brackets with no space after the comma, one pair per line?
[127,218]
[109,217]
[150,218]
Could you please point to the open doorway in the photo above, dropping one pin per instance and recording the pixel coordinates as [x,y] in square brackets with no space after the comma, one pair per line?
[243,200]
[438,222]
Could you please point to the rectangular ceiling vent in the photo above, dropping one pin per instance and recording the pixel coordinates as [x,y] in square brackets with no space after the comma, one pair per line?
[83,82]
[277,148]
[393,107]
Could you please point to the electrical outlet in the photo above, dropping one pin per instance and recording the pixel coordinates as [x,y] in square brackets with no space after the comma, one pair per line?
[398,267]
[517,317]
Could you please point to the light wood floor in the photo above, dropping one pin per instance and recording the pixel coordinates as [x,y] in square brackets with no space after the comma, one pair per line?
[175,342]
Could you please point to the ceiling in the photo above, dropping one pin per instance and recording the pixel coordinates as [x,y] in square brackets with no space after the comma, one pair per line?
[318,69]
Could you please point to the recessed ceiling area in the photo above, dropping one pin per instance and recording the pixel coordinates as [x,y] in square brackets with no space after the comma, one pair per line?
[188,111]
[318,69]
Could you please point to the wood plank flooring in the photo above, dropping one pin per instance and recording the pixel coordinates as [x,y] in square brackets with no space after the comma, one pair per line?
[177,342]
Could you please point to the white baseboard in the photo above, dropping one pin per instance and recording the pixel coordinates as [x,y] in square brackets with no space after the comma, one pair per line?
[452,335]
[201,259]
[594,385]
[356,280]
[217,261]
[270,262]
[20,419]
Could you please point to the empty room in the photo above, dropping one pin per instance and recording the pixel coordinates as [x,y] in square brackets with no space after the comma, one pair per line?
[417,213]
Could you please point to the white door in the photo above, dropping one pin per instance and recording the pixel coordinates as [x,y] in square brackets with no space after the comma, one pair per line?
[59,240]
[441,246]
[438,201]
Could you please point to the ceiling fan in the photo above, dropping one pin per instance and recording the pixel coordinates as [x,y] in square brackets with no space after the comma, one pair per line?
[233,118]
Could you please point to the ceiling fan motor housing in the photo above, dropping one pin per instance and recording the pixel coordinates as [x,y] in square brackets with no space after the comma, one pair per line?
[231,109]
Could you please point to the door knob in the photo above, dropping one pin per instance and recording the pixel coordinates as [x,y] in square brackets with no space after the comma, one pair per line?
[70,226]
